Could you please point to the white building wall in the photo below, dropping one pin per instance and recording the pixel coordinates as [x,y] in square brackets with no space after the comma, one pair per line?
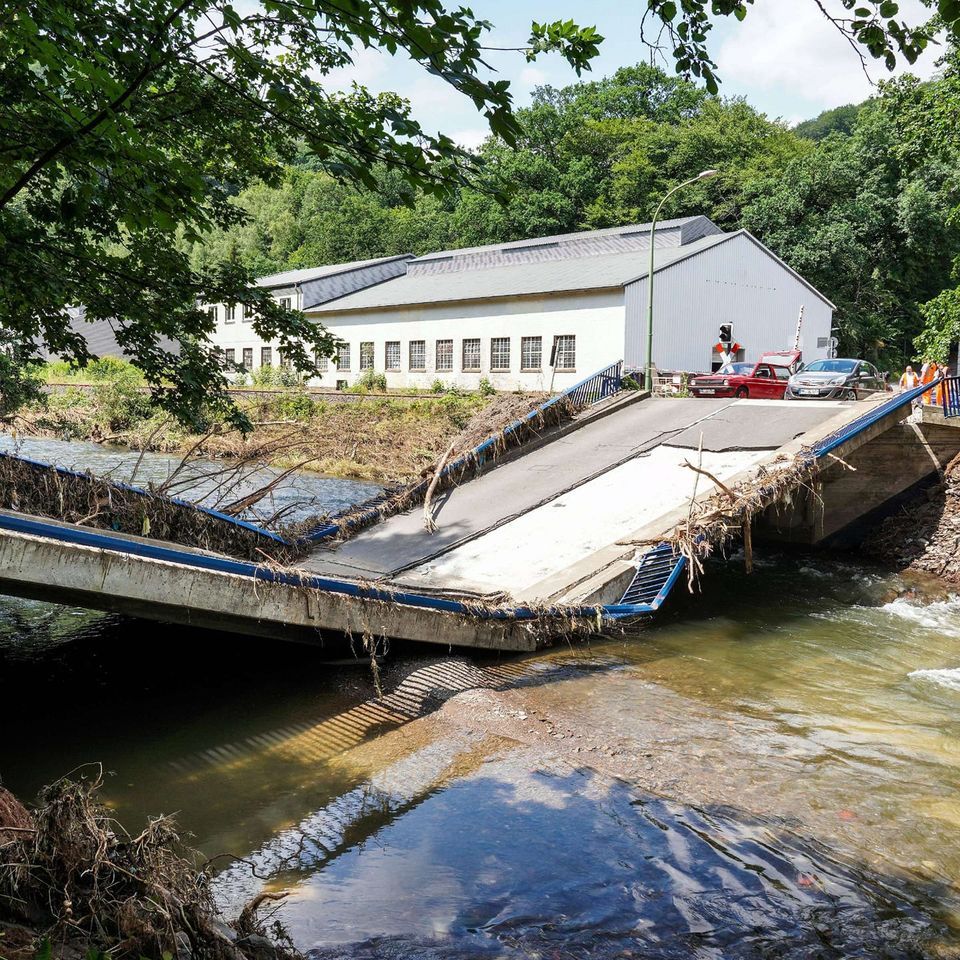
[735,282]
[595,318]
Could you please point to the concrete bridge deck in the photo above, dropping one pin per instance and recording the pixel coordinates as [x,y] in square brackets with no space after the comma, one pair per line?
[546,532]
[525,528]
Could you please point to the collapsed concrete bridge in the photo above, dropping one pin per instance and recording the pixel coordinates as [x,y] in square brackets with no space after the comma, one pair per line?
[576,527]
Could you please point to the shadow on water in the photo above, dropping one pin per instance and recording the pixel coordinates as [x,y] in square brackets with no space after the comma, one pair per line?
[396,842]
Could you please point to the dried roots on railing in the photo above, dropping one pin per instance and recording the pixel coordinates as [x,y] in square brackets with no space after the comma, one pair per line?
[93,501]
[82,883]
[728,514]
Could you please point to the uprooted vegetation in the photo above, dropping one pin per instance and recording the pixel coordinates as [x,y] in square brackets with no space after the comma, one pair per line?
[237,487]
[73,878]
[375,437]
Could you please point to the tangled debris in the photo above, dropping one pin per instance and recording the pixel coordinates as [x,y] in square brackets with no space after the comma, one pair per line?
[80,882]
[925,534]
[83,498]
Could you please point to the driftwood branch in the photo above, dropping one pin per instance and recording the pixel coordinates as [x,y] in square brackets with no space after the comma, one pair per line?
[428,520]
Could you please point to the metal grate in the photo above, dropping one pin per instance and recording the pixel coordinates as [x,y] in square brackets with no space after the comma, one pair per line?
[655,574]
[951,397]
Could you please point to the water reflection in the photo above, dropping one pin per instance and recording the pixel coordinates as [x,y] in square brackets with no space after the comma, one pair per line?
[806,716]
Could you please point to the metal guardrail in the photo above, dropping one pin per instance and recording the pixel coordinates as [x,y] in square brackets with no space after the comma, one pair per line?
[951,397]
[604,383]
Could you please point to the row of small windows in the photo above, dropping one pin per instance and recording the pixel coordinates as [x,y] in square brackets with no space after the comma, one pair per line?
[563,355]
[246,312]
[531,355]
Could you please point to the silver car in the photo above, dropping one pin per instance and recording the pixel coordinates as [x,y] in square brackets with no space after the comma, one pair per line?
[838,379]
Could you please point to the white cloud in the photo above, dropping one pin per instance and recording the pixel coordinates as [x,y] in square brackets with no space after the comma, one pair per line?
[471,138]
[775,57]
[370,67]
[531,77]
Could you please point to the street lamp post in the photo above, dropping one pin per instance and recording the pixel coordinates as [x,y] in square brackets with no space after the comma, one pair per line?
[705,175]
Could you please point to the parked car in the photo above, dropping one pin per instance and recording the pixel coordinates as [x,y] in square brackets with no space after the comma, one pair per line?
[766,379]
[839,379]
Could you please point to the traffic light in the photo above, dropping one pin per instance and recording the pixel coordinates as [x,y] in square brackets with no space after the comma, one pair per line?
[726,333]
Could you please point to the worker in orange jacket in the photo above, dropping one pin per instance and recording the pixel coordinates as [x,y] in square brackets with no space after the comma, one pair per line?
[930,373]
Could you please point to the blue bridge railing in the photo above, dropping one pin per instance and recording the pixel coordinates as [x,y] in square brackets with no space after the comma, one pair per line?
[604,383]
[951,397]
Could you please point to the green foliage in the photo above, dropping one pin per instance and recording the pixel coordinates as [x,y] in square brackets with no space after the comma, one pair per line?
[129,127]
[629,383]
[297,406]
[438,386]
[942,325]
[122,400]
[274,377]
[370,381]
[21,381]
[111,368]
[837,120]
[485,388]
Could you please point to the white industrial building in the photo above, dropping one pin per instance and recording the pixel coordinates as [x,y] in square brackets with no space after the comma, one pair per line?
[500,312]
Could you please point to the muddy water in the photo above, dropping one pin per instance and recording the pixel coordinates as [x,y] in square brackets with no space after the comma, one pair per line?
[770,770]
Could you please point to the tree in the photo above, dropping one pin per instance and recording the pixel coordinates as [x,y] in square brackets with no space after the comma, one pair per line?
[873,29]
[129,125]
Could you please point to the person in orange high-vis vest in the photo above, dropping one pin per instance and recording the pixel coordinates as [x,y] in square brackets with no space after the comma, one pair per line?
[930,373]
[909,380]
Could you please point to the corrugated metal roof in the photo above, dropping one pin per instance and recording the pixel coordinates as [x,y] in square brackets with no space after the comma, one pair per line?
[289,277]
[599,272]
[559,238]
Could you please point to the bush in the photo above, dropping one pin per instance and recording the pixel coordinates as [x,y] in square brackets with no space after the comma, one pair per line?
[112,368]
[121,400]
[296,406]
[629,383]
[438,386]
[485,388]
[271,377]
[371,381]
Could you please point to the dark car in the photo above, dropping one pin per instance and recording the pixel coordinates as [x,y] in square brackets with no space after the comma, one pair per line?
[838,379]
[765,379]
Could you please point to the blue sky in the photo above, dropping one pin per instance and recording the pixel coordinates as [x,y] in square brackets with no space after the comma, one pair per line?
[792,73]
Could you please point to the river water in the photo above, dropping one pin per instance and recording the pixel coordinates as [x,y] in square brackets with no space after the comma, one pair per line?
[771,769]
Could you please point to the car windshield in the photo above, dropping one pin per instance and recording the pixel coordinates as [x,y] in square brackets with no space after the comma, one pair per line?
[744,369]
[830,366]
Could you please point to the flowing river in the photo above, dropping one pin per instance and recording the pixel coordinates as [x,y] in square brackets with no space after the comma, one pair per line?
[771,769]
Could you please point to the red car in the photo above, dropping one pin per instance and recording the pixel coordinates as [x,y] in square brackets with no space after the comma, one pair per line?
[764,380]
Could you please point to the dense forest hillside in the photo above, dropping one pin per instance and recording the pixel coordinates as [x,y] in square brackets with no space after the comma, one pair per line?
[862,200]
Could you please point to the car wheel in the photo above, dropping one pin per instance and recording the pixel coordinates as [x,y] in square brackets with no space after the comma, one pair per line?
[741,393]
[850,395]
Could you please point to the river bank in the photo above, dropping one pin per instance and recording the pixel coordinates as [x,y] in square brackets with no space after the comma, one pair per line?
[924,534]
[374,438]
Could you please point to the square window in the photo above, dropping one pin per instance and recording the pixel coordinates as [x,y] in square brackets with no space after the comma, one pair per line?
[229,313]
[321,363]
[418,354]
[471,354]
[248,358]
[531,353]
[341,384]
[230,356]
[392,355]
[212,313]
[566,353]
[285,303]
[266,357]
[343,356]
[444,355]
[247,312]
[366,355]
[500,353]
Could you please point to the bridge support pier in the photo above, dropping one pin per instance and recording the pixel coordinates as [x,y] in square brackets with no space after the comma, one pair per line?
[859,481]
